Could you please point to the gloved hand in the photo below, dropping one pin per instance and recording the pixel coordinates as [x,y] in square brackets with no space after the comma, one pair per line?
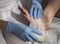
[22,31]
[36,9]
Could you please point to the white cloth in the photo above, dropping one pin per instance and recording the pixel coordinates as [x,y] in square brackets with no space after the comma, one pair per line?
[54,32]
[8,7]
[38,24]
[53,35]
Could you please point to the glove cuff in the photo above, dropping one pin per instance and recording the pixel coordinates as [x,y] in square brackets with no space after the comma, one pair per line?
[39,1]
[9,27]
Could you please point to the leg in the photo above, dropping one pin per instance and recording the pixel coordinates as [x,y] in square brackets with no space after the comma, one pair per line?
[50,11]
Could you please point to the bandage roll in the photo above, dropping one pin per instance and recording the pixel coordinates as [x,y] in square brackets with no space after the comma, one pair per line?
[38,24]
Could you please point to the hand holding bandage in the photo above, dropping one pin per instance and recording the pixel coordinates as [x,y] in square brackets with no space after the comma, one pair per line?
[36,21]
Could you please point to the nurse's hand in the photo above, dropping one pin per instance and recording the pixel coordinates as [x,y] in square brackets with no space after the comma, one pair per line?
[36,9]
[22,31]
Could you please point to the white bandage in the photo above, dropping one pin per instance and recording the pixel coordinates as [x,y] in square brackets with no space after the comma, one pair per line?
[38,24]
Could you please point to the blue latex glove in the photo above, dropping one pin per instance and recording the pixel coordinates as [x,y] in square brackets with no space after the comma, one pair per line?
[22,31]
[36,9]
